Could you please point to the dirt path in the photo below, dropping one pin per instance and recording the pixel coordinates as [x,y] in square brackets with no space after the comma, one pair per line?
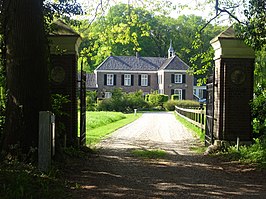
[116,173]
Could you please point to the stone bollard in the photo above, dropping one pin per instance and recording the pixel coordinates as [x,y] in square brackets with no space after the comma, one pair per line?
[135,111]
[46,145]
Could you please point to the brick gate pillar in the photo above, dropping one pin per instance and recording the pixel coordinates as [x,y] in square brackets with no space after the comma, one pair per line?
[64,43]
[233,87]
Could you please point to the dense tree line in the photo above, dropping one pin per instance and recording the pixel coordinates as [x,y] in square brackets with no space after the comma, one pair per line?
[125,30]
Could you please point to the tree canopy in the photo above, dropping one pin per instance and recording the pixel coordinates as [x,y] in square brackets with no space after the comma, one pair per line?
[125,30]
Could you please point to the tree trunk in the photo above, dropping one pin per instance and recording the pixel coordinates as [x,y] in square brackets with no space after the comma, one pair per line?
[27,72]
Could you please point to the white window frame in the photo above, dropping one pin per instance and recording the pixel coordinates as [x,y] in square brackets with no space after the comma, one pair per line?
[178,78]
[110,80]
[127,80]
[178,92]
[144,80]
[201,91]
[107,95]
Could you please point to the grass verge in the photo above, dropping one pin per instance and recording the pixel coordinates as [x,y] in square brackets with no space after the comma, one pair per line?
[196,130]
[94,135]
[150,154]
[200,133]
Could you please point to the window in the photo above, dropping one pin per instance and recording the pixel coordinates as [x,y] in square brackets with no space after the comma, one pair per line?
[110,79]
[178,92]
[202,93]
[178,78]
[127,80]
[107,95]
[144,80]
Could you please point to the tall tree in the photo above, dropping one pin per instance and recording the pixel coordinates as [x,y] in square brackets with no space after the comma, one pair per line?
[26,71]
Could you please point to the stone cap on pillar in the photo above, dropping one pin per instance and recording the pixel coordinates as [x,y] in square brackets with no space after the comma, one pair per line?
[227,45]
[63,39]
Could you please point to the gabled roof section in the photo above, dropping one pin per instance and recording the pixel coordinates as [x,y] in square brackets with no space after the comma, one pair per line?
[60,28]
[131,63]
[174,63]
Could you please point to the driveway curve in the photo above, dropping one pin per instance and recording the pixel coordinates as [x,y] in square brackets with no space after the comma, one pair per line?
[116,173]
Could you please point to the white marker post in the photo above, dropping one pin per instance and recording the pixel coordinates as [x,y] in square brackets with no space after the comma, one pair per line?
[46,137]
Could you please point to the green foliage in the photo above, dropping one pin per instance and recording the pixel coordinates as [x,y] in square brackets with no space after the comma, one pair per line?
[255,153]
[254,29]
[98,119]
[202,60]
[200,133]
[258,106]
[58,101]
[150,154]
[23,181]
[95,134]
[91,97]
[170,105]
[157,99]
[126,29]
[260,68]
[186,103]
[174,97]
[123,102]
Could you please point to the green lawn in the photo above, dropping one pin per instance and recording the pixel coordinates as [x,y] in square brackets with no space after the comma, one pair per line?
[100,124]
[192,127]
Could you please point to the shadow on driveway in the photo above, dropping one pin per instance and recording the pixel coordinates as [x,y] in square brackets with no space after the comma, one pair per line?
[117,173]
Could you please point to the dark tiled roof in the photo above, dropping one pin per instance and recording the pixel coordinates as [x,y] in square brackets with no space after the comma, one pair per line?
[90,80]
[132,63]
[174,63]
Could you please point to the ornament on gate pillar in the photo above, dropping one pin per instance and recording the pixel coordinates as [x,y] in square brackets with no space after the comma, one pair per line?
[234,67]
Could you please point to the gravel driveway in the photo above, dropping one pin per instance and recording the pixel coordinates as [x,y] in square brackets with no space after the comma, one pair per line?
[116,173]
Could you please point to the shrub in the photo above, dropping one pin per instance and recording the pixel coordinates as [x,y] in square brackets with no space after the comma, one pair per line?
[157,99]
[136,101]
[255,153]
[170,105]
[91,100]
[122,102]
[174,97]
[188,104]
[258,106]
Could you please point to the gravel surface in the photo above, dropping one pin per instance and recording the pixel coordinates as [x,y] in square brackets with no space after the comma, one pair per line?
[116,173]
